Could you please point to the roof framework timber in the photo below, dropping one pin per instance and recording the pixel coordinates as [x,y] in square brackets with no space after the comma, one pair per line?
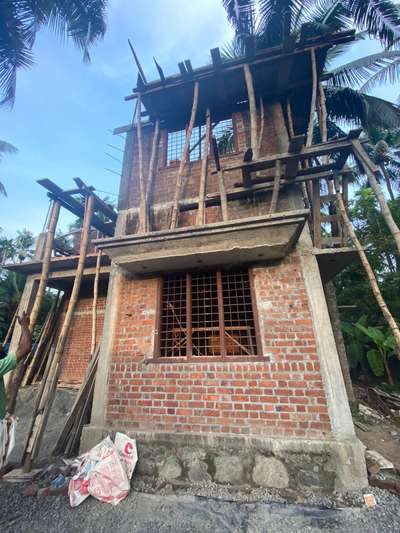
[68,201]
[276,71]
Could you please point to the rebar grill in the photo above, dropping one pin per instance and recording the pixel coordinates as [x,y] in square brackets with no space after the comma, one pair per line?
[207,314]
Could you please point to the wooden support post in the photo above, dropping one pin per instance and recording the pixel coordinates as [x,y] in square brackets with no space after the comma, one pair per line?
[290,117]
[201,219]
[370,273]
[310,131]
[51,229]
[275,191]
[262,124]
[150,177]
[252,109]
[43,337]
[40,416]
[178,186]
[222,192]
[11,327]
[95,298]
[142,193]
[17,375]
[316,204]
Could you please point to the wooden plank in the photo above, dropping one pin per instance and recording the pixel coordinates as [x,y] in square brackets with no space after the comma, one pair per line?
[252,109]
[139,66]
[327,198]
[316,214]
[363,158]
[178,186]
[201,219]
[222,193]
[216,58]
[189,68]
[182,70]
[159,70]
[308,152]
[275,191]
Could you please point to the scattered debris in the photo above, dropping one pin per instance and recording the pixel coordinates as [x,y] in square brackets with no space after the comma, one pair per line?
[367,412]
[19,476]
[370,500]
[374,457]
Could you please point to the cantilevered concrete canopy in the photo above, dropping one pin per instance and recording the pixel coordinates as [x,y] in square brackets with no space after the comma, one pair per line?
[261,238]
[331,261]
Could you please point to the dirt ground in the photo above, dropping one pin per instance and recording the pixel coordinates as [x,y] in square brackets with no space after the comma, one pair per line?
[214,509]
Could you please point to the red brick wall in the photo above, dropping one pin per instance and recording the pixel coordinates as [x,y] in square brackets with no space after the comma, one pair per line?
[282,396]
[77,348]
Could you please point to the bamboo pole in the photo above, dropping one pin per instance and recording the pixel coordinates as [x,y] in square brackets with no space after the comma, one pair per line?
[310,131]
[367,165]
[275,191]
[290,117]
[152,166]
[370,274]
[17,374]
[95,298]
[204,171]
[11,327]
[51,229]
[178,186]
[262,124]
[222,193]
[142,194]
[40,417]
[43,336]
[252,110]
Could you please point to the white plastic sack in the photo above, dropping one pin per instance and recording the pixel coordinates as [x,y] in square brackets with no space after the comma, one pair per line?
[7,438]
[105,471]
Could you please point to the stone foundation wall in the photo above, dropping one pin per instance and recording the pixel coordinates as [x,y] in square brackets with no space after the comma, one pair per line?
[244,461]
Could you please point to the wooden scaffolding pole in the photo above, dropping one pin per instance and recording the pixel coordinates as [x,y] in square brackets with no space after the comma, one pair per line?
[51,229]
[310,131]
[43,337]
[150,177]
[277,182]
[370,273]
[178,186]
[142,193]
[201,219]
[41,414]
[11,327]
[95,298]
[252,110]
[262,125]
[17,375]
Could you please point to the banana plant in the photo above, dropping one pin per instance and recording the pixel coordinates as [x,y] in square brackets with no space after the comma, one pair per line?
[378,357]
[355,341]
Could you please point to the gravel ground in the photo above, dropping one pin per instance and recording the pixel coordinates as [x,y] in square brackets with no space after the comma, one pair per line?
[182,512]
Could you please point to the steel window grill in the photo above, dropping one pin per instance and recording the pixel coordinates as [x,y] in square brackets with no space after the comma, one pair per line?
[223,132]
[207,314]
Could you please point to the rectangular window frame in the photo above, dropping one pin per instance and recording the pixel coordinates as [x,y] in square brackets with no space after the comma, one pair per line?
[235,151]
[223,357]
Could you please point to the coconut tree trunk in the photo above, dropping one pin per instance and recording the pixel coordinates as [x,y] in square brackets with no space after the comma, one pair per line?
[387,369]
[387,180]
[369,167]
[330,295]
[370,274]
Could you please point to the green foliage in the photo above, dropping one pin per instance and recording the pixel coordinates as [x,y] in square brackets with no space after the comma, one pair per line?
[81,21]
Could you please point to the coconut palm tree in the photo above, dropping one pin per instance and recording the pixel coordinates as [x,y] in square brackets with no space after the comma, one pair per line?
[5,148]
[83,21]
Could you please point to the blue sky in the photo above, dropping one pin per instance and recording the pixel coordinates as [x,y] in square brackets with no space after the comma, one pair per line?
[65,109]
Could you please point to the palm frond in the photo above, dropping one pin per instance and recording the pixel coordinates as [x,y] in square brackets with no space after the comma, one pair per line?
[241,14]
[339,49]
[380,17]
[370,69]
[7,148]
[3,190]
[389,73]
[356,108]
